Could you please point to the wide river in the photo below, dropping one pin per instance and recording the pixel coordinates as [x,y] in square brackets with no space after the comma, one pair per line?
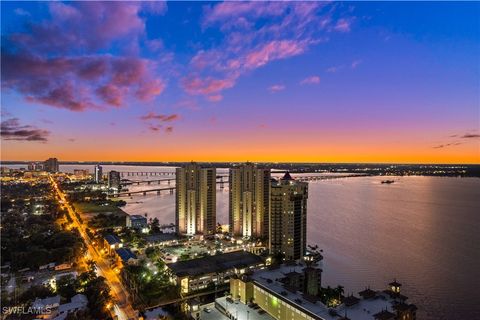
[423,231]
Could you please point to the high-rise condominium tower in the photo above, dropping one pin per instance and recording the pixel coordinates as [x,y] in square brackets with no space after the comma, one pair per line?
[98,173]
[51,165]
[288,218]
[195,206]
[114,180]
[249,201]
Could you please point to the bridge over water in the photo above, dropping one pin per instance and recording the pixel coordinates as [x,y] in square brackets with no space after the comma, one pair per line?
[221,182]
[223,178]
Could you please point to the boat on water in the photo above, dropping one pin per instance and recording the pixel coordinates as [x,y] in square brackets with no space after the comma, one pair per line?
[388,181]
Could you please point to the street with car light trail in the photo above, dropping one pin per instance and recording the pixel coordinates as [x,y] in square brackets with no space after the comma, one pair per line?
[122,307]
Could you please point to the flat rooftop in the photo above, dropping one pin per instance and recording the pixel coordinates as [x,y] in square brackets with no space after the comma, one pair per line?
[269,280]
[216,263]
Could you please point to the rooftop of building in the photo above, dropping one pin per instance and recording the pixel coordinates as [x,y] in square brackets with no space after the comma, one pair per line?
[46,302]
[77,302]
[125,254]
[112,239]
[358,309]
[216,263]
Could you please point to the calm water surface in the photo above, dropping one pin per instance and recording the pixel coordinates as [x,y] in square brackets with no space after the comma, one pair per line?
[424,231]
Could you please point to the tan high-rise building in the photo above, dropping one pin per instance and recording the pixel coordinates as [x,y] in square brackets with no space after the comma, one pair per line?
[288,218]
[195,207]
[249,206]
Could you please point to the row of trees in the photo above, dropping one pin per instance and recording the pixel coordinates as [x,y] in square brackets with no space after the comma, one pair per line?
[152,284]
[29,241]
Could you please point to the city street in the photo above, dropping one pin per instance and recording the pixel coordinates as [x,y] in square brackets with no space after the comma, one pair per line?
[122,308]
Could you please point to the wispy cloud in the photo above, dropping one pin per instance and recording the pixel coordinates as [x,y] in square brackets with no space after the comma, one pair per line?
[215,98]
[471,136]
[287,29]
[276,88]
[343,25]
[21,12]
[355,64]
[311,80]
[160,117]
[334,69]
[156,122]
[12,129]
[440,146]
[458,139]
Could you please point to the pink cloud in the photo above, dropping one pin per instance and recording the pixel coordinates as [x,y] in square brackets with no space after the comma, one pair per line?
[215,98]
[55,62]
[156,121]
[343,25]
[276,88]
[228,11]
[64,97]
[148,90]
[334,69]
[111,94]
[283,30]
[154,128]
[311,80]
[273,50]
[355,63]
[160,117]
[206,86]
[97,79]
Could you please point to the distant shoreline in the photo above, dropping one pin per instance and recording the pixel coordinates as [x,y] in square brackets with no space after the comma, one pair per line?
[374,169]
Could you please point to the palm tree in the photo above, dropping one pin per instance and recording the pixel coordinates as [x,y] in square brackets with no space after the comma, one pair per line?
[339,290]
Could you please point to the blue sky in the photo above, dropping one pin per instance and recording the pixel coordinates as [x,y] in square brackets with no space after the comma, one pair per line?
[341,81]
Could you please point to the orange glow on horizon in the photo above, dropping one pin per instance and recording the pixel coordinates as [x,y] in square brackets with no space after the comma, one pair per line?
[468,154]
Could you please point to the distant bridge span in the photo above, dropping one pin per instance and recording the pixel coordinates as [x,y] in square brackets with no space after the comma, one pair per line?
[222,182]
[159,181]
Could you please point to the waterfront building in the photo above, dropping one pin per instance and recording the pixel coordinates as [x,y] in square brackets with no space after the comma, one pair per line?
[288,218]
[212,271]
[195,200]
[137,222]
[284,293]
[51,165]
[114,180]
[98,173]
[249,201]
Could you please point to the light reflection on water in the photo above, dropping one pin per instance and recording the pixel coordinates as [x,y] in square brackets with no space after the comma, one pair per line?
[421,230]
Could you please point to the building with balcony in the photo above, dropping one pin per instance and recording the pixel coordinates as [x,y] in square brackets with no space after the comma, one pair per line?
[195,200]
[284,293]
[249,201]
[288,218]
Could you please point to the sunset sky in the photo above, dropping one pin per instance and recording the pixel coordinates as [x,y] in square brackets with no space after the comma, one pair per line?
[265,81]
